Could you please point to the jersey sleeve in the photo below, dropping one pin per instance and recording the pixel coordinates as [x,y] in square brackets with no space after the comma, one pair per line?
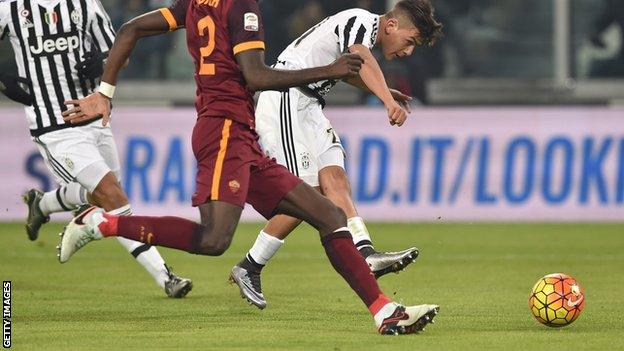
[100,28]
[245,26]
[176,14]
[358,29]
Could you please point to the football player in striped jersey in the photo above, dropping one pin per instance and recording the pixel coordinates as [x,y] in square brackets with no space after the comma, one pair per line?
[59,49]
[294,130]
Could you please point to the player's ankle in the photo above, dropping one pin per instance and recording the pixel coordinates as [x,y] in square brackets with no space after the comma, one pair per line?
[105,224]
[367,251]
[250,265]
[379,304]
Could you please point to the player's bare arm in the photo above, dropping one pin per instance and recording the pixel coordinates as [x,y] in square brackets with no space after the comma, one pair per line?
[402,99]
[373,78]
[261,77]
[98,104]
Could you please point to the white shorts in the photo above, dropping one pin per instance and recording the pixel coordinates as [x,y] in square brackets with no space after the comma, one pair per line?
[294,131]
[81,154]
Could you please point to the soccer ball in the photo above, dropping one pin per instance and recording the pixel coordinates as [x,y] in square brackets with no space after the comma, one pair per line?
[556,300]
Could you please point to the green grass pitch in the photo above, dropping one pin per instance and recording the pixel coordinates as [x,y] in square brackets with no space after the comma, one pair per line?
[480,275]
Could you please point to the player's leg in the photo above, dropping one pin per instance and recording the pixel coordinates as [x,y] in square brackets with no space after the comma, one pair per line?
[70,154]
[41,205]
[268,242]
[246,273]
[294,131]
[270,189]
[212,237]
[306,203]
[67,197]
[109,195]
[279,119]
[335,186]
[280,226]
[274,190]
[84,160]
[221,190]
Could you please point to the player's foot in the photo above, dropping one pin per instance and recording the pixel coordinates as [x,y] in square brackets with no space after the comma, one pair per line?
[382,263]
[35,218]
[79,232]
[406,320]
[249,284]
[177,287]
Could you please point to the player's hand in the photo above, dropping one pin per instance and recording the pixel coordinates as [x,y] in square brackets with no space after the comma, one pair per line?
[396,114]
[88,108]
[347,65]
[402,99]
[10,86]
[92,64]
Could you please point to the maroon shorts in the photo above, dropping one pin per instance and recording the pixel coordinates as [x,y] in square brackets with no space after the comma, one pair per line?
[231,167]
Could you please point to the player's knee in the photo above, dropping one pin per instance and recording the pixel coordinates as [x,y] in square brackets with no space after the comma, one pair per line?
[107,190]
[220,248]
[215,249]
[214,243]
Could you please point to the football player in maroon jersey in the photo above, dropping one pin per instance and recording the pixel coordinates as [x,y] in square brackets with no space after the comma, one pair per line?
[226,40]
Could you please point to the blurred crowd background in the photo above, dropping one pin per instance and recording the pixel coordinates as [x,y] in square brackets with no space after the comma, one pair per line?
[495,43]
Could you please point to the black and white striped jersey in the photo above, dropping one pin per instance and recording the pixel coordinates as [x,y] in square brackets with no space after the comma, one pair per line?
[49,37]
[326,41]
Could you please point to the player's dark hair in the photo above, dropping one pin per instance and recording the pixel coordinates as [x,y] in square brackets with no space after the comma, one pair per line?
[421,13]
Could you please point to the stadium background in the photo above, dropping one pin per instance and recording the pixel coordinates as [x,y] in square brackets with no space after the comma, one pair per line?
[519,118]
[546,143]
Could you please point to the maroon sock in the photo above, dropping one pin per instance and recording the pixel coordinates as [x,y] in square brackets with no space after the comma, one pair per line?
[350,264]
[173,232]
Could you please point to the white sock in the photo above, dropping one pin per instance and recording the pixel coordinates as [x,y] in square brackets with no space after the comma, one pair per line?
[384,313]
[360,235]
[264,248]
[65,198]
[147,255]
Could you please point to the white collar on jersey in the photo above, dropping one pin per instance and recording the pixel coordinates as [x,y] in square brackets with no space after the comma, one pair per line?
[48,3]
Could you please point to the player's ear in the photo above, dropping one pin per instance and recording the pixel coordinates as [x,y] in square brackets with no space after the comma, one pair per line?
[392,25]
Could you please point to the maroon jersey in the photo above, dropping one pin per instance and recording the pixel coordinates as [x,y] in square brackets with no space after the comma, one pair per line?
[216,30]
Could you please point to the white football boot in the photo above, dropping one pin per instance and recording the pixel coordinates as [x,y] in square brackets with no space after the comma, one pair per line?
[79,232]
[394,319]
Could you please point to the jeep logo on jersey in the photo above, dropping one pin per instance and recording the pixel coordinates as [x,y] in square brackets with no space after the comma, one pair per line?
[54,44]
